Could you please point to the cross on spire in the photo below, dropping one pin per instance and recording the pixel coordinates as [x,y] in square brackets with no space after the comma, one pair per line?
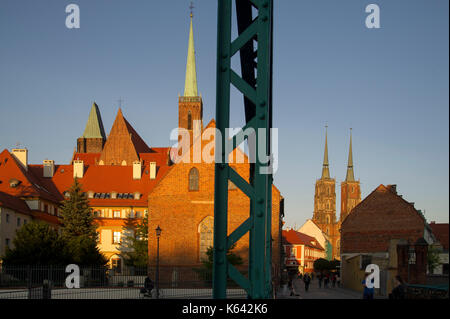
[191,7]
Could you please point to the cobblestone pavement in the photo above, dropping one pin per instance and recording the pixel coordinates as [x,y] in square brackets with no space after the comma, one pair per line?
[314,292]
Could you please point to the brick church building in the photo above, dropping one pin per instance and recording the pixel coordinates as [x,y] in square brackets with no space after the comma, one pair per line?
[324,215]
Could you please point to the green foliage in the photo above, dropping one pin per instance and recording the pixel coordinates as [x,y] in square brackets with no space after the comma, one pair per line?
[77,217]
[78,229]
[433,259]
[36,243]
[322,265]
[134,246]
[232,258]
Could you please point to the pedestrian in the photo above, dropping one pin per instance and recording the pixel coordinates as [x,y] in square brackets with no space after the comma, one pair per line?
[148,287]
[320,278]
[312,276]
[306,280]
[368,292]
[399,291]
[326,280]
[338,281]
[333,280]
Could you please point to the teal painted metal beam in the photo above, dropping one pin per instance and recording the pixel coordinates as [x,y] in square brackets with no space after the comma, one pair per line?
[257,93]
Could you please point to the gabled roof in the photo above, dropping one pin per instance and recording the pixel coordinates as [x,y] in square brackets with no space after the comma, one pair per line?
[297,238]
[385,200]
[441,233]
[94,126]
[123,143]
[30,185]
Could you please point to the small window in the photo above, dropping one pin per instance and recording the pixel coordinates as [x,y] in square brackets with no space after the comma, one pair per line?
[116,237]
[116,214]
[7,242]
[365,261]
[18,221]
[7,218]
[193,179]
[24,221]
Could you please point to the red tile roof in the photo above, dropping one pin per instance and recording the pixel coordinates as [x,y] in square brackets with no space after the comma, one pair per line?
[441,233]
[297,238]
[30,184]
[97,178]
[14,203]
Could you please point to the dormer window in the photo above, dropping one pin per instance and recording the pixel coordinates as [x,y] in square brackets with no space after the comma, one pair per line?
[13,182]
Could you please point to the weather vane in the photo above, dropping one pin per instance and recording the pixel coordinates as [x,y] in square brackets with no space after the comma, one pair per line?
[191,6]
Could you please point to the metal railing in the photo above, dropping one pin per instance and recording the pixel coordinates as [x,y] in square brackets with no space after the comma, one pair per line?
[48,282]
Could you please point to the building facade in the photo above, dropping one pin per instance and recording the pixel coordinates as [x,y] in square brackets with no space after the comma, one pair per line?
[385,230]
[300,251]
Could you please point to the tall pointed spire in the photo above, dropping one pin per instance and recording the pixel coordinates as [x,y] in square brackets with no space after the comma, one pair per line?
[94,126]
[350,176]
[190,85]
[325,169]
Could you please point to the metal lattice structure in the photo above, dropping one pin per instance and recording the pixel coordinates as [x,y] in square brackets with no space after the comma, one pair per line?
[254,44]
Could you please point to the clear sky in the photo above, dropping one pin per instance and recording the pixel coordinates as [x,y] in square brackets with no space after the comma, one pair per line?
[389,84]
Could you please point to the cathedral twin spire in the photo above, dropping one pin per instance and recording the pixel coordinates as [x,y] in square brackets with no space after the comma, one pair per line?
[350,177]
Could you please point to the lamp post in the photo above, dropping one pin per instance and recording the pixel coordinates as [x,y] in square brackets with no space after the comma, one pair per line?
[158,234]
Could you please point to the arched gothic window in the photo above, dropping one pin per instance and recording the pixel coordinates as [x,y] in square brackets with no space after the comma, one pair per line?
[193,179]
[189,124]
[205,230]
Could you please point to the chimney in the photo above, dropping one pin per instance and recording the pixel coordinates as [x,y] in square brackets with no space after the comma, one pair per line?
[152,170]
[137,170]
[49,168]
[78,169]
[21,154]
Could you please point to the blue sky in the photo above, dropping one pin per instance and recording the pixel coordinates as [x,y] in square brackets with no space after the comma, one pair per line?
[390,85]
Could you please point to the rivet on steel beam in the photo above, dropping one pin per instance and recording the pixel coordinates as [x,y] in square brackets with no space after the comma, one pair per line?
[260,200]
[224,56]
[265,18]
[260,213]
[223,69]
[262,104]
[262,116]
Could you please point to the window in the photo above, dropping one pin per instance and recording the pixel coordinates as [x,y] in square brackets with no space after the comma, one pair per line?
[18,221]
[365,261]
[116,264]
[116,237]
[7,242]
[205,230]
[189,119]
[116,214]
[193,179]
[24,221]
[7,218]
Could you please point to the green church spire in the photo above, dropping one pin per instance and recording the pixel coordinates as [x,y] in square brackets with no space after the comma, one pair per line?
[350,176]
[190,85]
[94,126]
[325,169]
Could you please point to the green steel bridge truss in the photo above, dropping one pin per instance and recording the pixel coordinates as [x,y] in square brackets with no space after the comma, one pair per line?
[254,44]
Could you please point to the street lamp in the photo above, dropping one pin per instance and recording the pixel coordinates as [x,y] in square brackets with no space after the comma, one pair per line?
[158,234]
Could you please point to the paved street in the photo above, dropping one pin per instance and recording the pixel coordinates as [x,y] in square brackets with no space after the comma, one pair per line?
[315,292]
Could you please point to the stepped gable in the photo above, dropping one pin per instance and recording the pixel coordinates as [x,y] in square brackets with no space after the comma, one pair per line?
[123,144]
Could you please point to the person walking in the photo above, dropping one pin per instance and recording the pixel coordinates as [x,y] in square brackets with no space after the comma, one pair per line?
[399,291]
[306,280]
[333,280]
[367,292]
[320,279]
[326,280]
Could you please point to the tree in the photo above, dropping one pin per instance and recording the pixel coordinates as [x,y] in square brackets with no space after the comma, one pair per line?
[322,265]
[433,259]
[78,228]
[232,258]
[134,246]
[77,217]
[36,243]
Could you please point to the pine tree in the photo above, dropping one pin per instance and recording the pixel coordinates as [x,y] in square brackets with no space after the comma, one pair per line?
[77,217]
[134,246]
[78,228]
